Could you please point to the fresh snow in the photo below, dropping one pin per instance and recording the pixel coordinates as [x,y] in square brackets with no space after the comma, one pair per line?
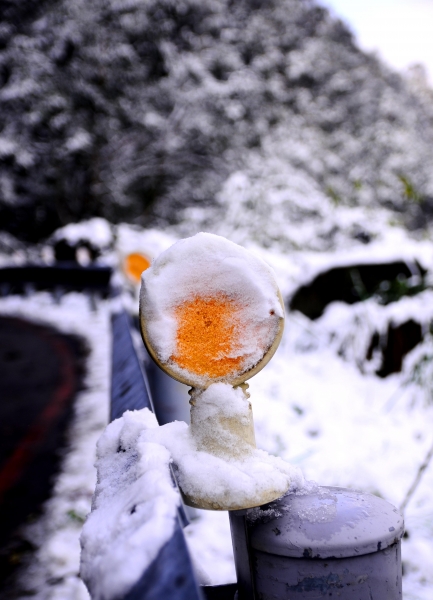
[283,78]
[305,143]
[96,230]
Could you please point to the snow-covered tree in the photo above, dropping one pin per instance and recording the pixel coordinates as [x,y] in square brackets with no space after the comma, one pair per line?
[135,109]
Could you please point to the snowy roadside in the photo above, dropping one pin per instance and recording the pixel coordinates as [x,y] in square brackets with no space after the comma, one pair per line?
[53,571]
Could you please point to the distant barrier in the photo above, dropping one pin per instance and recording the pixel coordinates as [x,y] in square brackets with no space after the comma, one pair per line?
[62,276]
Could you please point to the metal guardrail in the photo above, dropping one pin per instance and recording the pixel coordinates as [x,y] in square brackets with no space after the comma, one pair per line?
[171,575]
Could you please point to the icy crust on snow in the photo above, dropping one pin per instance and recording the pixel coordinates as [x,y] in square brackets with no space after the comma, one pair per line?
[208,267]
[134,506]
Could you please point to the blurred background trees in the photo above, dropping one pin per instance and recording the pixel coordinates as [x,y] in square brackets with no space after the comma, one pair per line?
[136,110]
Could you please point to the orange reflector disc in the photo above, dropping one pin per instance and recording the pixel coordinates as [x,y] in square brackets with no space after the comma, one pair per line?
[208,329]
[135,264]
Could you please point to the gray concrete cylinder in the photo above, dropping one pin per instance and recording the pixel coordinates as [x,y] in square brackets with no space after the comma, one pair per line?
[331,542]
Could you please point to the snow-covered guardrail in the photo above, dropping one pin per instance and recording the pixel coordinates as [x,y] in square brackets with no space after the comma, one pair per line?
[130,561]
[133,544]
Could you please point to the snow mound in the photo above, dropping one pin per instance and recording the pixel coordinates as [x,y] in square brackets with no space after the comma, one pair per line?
[210,309]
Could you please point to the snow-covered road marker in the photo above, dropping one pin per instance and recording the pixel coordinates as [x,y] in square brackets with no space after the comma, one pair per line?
[212,316]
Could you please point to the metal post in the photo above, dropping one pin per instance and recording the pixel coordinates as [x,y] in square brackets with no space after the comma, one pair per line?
[332,541]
